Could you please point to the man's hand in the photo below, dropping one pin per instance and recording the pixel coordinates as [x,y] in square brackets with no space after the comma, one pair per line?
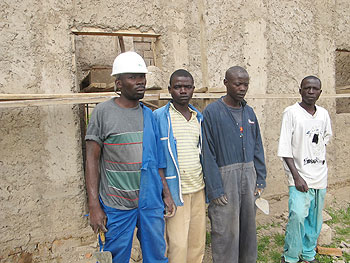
[221,201]
[170,207]
[98,219]
[300,184]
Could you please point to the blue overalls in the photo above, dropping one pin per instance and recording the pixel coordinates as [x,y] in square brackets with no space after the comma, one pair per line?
[149,216]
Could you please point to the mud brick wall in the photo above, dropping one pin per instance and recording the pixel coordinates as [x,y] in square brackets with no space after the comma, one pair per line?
[42,192]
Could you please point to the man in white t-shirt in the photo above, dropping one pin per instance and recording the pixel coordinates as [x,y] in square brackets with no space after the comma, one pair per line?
[305,131]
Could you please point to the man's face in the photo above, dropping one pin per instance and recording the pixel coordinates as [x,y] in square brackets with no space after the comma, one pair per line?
[237,85]
[310,91]
[181,90]
[132,85]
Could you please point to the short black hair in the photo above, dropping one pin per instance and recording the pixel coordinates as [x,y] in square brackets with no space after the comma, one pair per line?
[180,73]
[235,70]
[310,77]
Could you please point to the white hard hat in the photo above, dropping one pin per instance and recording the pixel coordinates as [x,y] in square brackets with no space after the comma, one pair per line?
[129,62]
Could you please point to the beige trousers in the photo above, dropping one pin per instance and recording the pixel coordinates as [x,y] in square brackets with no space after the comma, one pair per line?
[186,231]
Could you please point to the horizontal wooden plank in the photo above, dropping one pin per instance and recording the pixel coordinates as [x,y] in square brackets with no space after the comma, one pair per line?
[343,89]
[6,97]
[95,32]
[166,96]
[103,96]
[27,100]
[53,96]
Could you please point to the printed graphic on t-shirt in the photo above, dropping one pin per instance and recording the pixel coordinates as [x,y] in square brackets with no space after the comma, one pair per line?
[314,138]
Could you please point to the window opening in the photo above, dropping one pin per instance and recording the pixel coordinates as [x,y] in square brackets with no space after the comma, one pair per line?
[342,79]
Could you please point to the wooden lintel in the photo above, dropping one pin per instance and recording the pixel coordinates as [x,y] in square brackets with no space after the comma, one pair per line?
[116,33]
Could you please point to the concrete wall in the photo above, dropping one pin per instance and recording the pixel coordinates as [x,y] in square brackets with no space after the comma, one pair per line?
[42,192]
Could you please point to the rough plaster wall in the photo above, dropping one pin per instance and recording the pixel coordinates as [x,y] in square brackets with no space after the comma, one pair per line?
[14,65]
[299,44]
[342,24]
[225,38]
[279,43]
[342,76]
[292,47]
[341,122]
[42,195]
[342,79]
[41,188]
[184,38]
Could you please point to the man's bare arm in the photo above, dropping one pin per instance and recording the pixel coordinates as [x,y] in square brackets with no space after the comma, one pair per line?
[299,182]
[92,178]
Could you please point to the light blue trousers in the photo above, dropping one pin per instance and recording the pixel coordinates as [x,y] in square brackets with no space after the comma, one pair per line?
[304,224]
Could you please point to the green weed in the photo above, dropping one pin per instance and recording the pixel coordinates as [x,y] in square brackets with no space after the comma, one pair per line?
[208,238]
[270,246]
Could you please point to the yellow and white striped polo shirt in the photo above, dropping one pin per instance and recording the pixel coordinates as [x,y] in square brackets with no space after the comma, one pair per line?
[186,134]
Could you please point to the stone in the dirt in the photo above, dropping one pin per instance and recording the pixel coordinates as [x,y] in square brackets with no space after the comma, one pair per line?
[325,237]
[326,217]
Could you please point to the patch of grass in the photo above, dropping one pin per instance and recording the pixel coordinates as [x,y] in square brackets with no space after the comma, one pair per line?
[262,227]
[341,215]
[279,239]
[269,248]
[270,243]
[324,259]
[278,224]
[268,226]
[263,243]
[346,256]
[275,256]
[343,231]
[208,238]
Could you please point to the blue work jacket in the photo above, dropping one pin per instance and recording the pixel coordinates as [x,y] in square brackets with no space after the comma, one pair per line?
[151,187]
[172,172]
[224,144]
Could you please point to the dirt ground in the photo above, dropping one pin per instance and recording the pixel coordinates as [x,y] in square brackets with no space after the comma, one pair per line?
[338,197]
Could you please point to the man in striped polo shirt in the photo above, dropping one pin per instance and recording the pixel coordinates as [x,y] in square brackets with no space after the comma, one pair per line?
[124,177]
[180,131]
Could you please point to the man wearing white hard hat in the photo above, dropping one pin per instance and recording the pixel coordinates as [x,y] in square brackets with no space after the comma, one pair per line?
[124,168]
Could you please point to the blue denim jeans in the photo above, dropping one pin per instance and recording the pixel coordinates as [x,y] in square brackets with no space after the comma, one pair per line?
[150,232]
[304,224]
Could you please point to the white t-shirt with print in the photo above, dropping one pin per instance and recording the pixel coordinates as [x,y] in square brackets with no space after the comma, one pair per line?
[304,138]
